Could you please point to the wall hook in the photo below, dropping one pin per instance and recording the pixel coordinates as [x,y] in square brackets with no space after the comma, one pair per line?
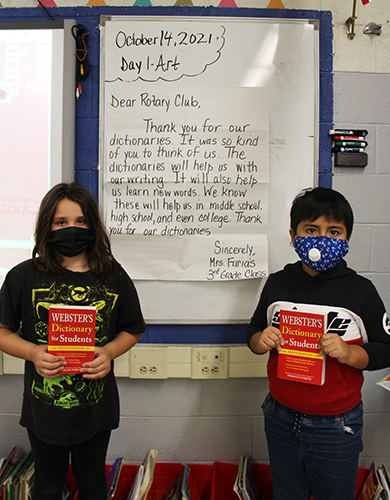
[350,22]
[373,29]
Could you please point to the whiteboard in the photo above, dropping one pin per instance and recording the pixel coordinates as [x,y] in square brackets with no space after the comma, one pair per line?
[278,55]
[37,126]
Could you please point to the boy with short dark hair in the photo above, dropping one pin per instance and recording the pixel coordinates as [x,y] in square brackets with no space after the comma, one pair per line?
[314,432]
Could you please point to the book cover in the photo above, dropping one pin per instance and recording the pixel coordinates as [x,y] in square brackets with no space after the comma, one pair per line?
[149,465]
[250,488]
[11,486]
[385,382]
[113,477]
[237,487]
[174,491]
[385,482]
[26,481]
[372,488]
[246,486]
[188,486]
[135,487]
[8,466]
[72,335]
[300,359]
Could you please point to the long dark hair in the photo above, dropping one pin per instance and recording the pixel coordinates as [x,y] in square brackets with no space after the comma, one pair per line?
[100,258]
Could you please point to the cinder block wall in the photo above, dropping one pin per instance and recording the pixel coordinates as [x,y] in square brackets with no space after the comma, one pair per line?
[362,101]
[204,421]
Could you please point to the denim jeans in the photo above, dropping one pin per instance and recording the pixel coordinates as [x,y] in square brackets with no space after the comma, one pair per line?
[312,455]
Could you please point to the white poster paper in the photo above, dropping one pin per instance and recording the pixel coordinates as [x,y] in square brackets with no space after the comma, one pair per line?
[186,181]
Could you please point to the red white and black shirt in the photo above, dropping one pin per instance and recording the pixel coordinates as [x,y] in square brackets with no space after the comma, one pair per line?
[352,308]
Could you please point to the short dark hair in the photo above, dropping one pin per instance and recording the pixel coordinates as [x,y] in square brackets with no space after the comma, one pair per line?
[100,258]
[316,202]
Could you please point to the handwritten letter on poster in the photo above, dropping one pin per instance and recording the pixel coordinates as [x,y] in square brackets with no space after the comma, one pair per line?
[185,166]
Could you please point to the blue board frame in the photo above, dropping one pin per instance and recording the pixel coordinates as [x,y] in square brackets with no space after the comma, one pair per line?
[87,121]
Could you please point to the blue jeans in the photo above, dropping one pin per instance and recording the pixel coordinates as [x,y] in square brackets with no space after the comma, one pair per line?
[313,455]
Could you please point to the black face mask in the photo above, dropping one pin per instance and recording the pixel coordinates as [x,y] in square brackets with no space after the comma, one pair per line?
[70,241]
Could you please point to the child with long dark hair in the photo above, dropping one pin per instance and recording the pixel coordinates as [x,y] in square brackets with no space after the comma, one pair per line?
[69,416]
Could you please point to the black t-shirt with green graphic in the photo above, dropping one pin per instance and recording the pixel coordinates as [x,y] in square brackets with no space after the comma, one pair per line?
[68,409]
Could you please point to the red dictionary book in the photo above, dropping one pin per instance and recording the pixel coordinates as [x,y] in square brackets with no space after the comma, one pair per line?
[72,335]
[299,359]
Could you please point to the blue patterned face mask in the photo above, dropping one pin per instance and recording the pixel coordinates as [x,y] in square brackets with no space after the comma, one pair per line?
[320,252]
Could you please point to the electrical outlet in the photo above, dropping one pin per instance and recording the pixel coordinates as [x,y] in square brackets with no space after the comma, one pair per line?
[210,363]
[148,362]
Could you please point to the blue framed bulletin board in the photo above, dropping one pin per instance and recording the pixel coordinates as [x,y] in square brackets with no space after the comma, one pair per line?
[87,135]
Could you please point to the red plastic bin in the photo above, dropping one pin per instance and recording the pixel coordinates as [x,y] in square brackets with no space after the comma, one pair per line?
[203,476]
[166,473]
[164,476]
[125,481]
[224,476]
[213,482]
